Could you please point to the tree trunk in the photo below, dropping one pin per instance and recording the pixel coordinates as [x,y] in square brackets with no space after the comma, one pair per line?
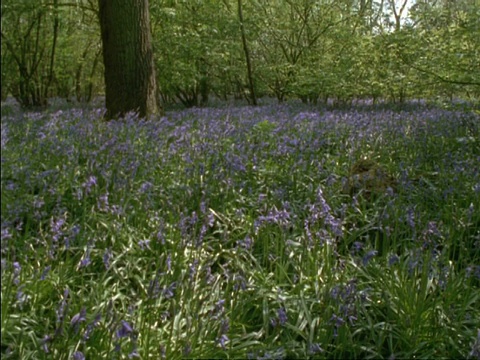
[247,55]
[130,83]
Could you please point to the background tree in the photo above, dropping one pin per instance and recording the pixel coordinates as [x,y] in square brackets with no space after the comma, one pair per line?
[30,40]
[329,50]
[130,82]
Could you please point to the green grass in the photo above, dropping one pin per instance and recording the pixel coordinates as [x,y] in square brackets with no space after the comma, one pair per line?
[229,233]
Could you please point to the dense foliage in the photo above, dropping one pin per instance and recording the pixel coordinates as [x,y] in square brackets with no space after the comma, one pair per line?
[311,50]
[277,231]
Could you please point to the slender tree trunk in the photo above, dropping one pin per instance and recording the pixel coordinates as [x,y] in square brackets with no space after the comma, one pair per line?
[52,55]
[130,83]
[247,55]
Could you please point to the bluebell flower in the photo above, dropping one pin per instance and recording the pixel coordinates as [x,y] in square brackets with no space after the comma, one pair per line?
[219,308]
[134,354]
[169,262]
[210,220]
[222,340]
[473,269]
[337,320]
[393,259]
[125,330]
[169,291]
[62,308]
[91,326]
[246,243]
[160,237]
[369,256]
[273,322]
[315,348]
[144,244]
[239,282]
[357,246]
[146,186]
[16,272]
[21,296]
[107,257]
[78,355]
[44,343]
[411,218]
[103,204]
[78,318]
[5,235]
[193,269]
[224,326]
[86,259]
[282,316]
[56,226]
[89,184]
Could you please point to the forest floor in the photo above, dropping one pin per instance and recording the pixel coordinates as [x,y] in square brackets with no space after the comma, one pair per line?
[270,232]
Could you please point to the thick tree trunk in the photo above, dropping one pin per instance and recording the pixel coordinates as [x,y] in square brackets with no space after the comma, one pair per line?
[130,83]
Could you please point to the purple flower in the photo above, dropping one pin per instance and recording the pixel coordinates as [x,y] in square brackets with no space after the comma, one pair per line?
[61,311]
[246,243]
[107,257]
[5,235]
[369,256]
[73,233]
[411,218]
[169,262]
[168,292]
[86,259]
[193,269]
[89,184]
[473,269]
[91,326]
[144,244]
[44,342]
[56,226]
[224,326]
[78,318]
[134,354]
[337,320]
[274,216]
[240,282]
[325,208]
[210,219]
[103,204]
[78,355]
[16,272]
[146,186]
[222,340]
[357,246]
[393,259]
[21,296]
[219,308]
[273,322]
[124,330]
[282,316]
[315,349]
[160,237]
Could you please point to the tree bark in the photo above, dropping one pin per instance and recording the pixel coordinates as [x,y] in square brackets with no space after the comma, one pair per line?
[130,84]
[247,55]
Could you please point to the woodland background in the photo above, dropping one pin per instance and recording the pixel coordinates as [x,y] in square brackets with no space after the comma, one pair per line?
[336,50]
